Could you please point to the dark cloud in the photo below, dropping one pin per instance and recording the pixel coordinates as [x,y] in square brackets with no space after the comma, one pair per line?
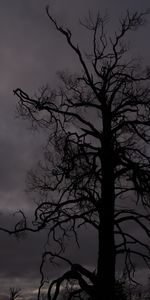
[20,259]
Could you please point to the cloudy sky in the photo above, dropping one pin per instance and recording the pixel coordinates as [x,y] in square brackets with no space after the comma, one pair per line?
[30,54]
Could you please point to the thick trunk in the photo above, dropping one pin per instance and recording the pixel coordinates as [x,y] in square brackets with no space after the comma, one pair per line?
[105,288]
[106,256]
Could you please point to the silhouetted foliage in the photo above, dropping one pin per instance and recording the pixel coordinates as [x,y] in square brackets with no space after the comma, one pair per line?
[121,292]
[96,168]
[14,293]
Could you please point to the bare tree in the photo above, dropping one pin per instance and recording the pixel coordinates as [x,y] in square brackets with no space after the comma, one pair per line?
[96,169]
[14,293]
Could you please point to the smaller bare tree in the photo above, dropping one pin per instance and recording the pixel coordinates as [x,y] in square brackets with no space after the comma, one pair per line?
[14,293]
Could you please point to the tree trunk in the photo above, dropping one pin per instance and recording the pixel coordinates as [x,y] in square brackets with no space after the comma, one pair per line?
[105,289]
[106,255]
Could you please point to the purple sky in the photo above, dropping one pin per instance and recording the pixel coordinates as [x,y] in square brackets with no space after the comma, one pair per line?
[31,52]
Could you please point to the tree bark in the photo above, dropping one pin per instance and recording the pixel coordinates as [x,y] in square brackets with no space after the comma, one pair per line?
[106,256]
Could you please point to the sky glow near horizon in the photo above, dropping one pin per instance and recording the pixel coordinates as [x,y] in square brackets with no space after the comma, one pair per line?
[31,53]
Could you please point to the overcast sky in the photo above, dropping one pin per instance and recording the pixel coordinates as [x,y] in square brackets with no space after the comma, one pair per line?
[30,54]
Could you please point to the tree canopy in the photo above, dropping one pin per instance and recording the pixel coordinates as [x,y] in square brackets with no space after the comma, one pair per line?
[96,167]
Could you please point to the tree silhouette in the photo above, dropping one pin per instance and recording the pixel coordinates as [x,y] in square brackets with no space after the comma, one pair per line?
[96,168]
[14,293]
